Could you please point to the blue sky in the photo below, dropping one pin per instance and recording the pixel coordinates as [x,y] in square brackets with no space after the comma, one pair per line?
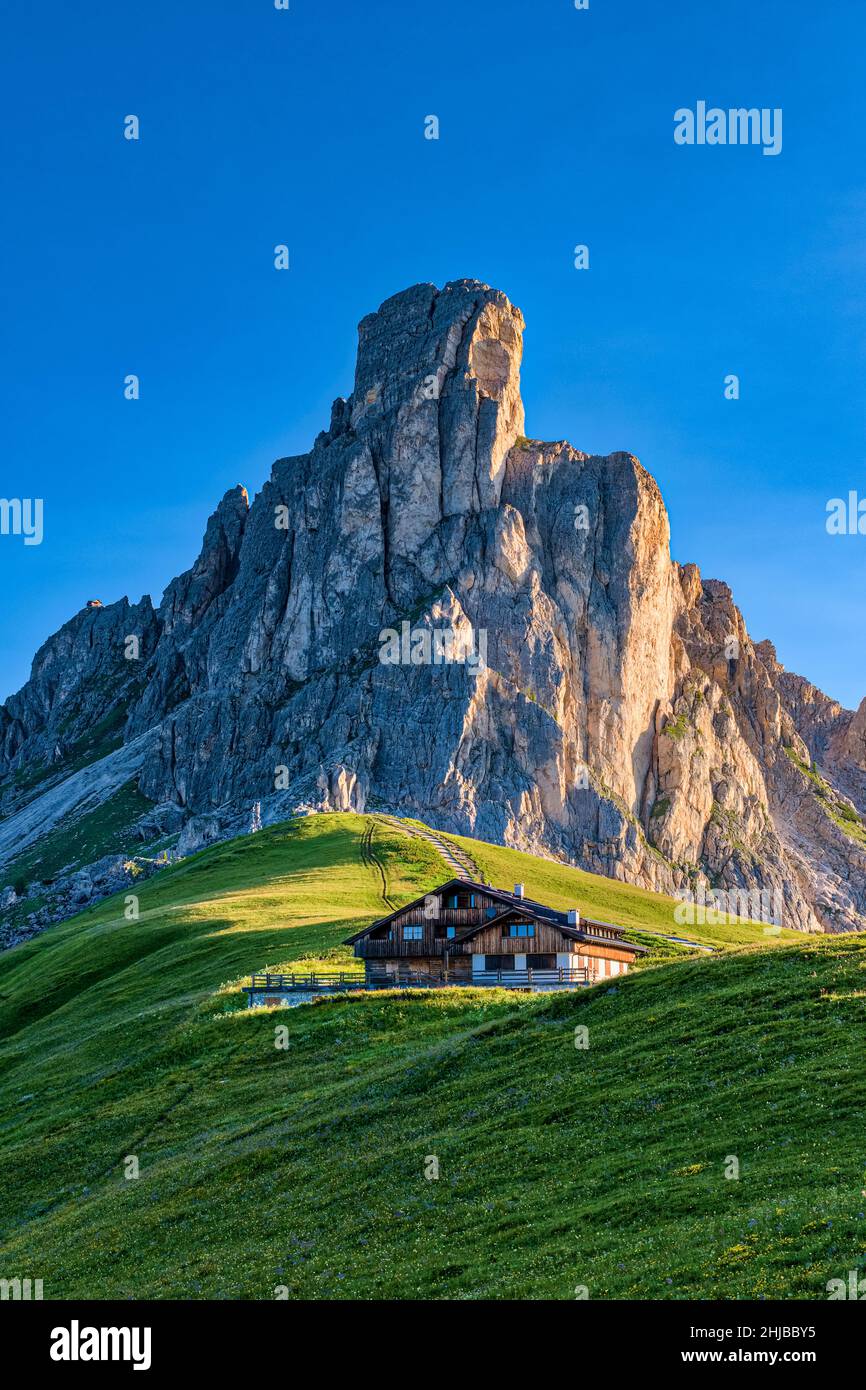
[306,127]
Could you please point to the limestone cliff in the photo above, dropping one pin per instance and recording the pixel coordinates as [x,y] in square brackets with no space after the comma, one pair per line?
[623,719]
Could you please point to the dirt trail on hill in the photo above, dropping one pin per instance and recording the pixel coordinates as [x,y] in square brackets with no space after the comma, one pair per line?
[461,864]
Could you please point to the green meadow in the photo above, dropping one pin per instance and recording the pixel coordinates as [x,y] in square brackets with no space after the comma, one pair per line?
[692,1131]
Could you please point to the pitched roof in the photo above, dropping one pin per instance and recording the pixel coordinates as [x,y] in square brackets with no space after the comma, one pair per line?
[416,902]
[527,906]
[559,920]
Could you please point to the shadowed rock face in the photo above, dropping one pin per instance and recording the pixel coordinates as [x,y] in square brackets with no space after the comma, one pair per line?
[623,718]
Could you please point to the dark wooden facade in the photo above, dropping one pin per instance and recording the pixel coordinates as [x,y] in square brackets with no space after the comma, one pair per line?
[465,931]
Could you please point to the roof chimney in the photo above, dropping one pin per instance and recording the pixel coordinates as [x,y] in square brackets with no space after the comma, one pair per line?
[573,917]
[518,890]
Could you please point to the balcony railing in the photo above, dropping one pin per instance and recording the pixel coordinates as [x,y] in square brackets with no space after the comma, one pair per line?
[450,916]
[314,979]
[370,949]
[373,950]
[503,979]
[518,979]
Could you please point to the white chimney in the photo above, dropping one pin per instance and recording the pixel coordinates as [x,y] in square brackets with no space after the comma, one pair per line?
[518,890]
[573,917]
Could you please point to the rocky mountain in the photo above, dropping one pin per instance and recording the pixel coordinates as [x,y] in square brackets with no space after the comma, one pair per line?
[325,652]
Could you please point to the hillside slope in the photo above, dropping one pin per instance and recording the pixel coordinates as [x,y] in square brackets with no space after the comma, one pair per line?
[303,1168]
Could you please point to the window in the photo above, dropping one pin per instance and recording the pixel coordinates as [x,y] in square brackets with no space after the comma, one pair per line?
[519,929]
[498,962]
[462,900]
[450,932]
[541,962]
[413,933]
[491,912]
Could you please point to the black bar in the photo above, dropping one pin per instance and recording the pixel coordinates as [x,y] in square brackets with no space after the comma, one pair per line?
[222,1336]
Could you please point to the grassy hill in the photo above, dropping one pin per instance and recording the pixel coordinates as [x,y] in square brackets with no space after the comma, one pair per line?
[303,1167]
[604,898]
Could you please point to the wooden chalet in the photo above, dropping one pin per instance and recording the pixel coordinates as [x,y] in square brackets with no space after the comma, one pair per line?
[473,933]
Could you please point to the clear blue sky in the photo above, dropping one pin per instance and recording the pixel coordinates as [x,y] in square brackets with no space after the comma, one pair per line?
[556,128]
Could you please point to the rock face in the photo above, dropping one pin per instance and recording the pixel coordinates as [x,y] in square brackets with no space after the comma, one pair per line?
[77,700]
[73,892]
[622,719]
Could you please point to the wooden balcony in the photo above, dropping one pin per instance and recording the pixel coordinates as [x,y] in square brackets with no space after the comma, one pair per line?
[459,917]
[376,950]
[312,982]
[370,949]
[275,987]
[531,979]
[536,980]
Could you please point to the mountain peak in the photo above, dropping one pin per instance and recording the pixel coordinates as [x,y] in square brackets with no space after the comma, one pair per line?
[619,717]
[424,342]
